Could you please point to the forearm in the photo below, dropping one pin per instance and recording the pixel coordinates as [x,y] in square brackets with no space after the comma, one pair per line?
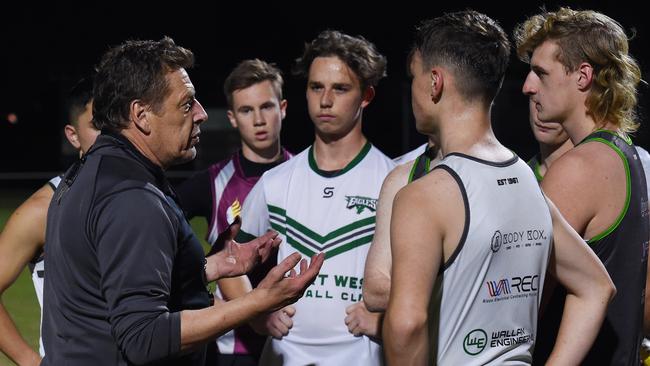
[581,322]
[235,287]
[376,291]
[199,326]
[12,343]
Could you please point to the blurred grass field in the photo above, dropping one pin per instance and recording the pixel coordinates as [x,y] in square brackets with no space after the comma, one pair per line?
[20,299]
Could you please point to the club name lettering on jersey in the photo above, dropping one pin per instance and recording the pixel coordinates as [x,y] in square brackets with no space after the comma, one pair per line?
[506,181]
[361,203]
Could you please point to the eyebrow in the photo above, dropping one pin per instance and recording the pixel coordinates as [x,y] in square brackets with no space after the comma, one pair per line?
[538,69]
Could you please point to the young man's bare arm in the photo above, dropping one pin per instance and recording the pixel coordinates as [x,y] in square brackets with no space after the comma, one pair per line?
[589,290]
[421,234]
[376,278]
[21,239]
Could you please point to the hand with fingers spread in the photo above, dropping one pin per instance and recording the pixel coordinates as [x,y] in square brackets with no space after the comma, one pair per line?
[276,324]
[360,321]
[236,259]
[284,290]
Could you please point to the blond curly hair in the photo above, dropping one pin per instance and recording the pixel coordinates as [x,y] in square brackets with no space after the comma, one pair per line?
[592,37]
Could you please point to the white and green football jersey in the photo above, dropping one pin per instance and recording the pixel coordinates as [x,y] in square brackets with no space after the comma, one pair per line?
[319,212]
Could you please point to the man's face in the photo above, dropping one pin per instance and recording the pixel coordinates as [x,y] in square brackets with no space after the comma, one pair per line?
[551,89]
[175,126]
[334,97]
[86,132]
[420,94]
[546,133]
[257,112]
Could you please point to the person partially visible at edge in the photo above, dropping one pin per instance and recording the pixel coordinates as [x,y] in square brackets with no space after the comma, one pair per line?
[583,77]
[23,238]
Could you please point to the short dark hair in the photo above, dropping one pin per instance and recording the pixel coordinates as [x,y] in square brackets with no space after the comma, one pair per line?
[473,45]
[358,53]
[78,97]
[251,72]
[134,70]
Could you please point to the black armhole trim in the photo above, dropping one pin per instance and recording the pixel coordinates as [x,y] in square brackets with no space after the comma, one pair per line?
[500,164]
[51,186]
[463,237]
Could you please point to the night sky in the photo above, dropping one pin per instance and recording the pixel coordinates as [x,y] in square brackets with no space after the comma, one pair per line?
[45,50]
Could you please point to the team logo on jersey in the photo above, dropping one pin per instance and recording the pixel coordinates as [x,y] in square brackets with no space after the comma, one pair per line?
[233,211]
[361,203]
[496,241]
[475,342]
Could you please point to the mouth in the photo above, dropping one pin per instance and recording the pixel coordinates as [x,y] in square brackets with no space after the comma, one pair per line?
[547,127]
[195,138]
[261,135]
[325,117]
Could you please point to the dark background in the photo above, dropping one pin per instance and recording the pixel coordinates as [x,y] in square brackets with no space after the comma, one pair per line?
[45,49]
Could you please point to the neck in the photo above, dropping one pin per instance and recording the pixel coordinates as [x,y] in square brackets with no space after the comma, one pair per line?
[139,142]
[263,156]
[581,124]
[467,129]
[334,153]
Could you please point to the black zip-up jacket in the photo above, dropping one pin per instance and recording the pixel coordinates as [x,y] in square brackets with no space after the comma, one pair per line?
[121,263]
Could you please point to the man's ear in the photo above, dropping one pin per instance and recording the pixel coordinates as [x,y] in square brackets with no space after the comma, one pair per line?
[139,113]
[71,135]
[585,76]
[368,96]
[232,119]
[283,108]
[437,83]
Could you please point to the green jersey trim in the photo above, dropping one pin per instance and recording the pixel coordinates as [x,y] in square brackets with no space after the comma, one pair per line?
[357,159]
[628,188]
[416,164]
[536,171]
[309,242]
[625,138]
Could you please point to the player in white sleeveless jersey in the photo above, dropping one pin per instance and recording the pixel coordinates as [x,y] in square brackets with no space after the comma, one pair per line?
[324,200]
[477,230]
[23,237]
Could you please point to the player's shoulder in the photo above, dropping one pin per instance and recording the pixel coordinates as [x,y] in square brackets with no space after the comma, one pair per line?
[280,172]
[437,187]
[381,157]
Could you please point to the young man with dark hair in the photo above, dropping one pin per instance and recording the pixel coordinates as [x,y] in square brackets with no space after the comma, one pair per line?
[325,199]
[23,238]
[471,241]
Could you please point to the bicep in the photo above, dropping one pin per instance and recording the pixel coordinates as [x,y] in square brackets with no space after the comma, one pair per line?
[23,236]
[379,258]
[573,263]
[416,245]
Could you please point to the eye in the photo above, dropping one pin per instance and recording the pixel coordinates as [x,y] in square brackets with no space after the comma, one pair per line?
[188,106]
[315,87]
